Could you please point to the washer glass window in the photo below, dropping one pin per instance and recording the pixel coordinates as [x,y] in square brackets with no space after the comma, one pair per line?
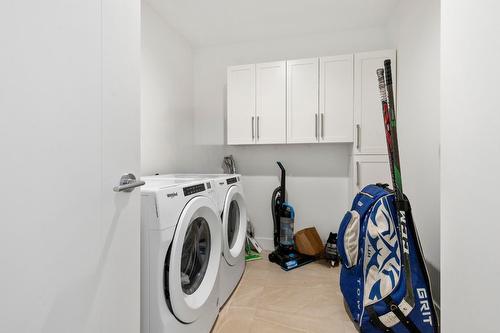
[195,255]
[233,223]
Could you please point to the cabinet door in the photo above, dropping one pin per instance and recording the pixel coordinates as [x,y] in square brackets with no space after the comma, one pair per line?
[241,104]
[370,169]
[302,101]
[271,103]
[336,98]
[369,129]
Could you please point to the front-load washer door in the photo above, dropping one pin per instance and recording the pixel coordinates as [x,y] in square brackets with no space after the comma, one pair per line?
[194,259]
[234,225]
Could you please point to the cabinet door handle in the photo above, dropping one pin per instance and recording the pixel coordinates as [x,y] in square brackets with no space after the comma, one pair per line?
[258,127]
[322,125]
[357,173]
[316,125]
[358,136]
[253,129]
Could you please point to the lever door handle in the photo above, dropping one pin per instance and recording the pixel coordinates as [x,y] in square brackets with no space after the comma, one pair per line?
[128,183]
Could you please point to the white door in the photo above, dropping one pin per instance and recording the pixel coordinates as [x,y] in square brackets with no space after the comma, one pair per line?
[369,124]
[271,102]
[234,225]
[69,128]
[302,101]
[336,98]
[241,105]
[370,169]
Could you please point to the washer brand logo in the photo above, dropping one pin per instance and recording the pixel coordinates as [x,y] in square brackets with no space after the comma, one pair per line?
[425,307]
[404,232]
[172,195]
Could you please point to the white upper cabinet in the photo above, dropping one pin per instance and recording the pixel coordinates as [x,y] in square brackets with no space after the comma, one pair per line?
[369,125]
[241,104]
[336,98]
[328,99]
[270,126]
[302,101]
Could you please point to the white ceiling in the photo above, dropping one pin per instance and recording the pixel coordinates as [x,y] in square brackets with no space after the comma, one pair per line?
[209,22]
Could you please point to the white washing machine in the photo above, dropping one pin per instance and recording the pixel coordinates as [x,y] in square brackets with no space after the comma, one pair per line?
[233,212]
[180,256]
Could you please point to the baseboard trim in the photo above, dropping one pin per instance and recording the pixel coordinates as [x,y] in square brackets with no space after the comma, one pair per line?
[438,310]
[267,244]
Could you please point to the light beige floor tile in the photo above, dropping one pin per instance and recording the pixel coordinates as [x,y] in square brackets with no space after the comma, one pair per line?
[263,326]
[235,320]
[332,324]
[310,276]
[349,327]
[247,294]
[268,299]
[282,318]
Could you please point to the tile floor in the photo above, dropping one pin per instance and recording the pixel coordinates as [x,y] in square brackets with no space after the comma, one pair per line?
[305,300]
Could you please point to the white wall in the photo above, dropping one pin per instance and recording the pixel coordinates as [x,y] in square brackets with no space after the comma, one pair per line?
[470,138]
[416,33]
[167,97]
[317,184]
[318,174]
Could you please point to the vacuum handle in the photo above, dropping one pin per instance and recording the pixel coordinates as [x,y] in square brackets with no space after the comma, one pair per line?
[283,182]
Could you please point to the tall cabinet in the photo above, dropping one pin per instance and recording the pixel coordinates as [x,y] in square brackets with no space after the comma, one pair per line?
[370,161]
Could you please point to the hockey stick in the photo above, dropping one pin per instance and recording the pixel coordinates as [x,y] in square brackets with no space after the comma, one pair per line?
[385,112]
[402,205]
[405,220]
[393,147]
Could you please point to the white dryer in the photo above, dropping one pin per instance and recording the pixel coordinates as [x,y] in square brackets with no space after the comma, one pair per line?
[231,202]
[233,211]
[180,256]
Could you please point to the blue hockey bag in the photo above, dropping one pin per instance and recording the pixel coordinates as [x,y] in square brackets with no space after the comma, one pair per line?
[381,293]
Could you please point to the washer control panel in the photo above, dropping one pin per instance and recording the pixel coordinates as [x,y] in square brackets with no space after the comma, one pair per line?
[233,180]
[190,190]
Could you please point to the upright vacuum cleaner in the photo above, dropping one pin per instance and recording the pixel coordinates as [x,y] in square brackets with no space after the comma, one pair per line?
[283,213]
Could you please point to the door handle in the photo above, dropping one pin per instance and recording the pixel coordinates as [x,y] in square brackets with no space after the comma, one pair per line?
[128,183]
[253,129]
[358,136]
[316,125]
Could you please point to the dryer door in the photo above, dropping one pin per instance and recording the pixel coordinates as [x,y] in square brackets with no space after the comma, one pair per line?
[194,259]
[234,224]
